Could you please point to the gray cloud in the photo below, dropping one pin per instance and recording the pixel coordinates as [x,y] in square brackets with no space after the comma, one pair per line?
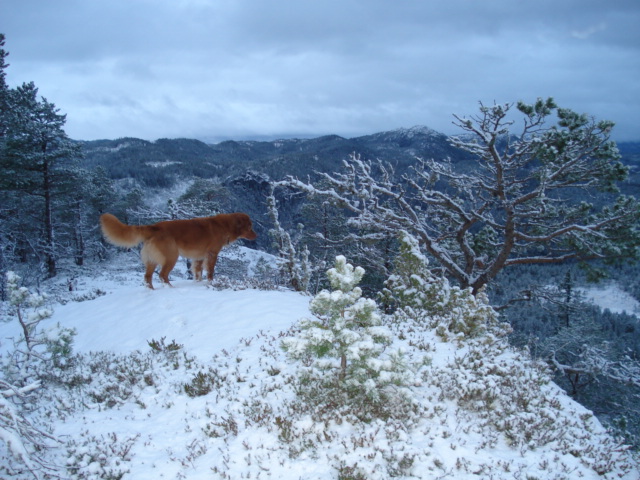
[211,69]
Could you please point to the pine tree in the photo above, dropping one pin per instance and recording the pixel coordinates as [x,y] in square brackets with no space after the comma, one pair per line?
[34,167]
[419,296]
[37,147]
[37,164]
[4,93]
[346,343]
[522,203]
[566,307]
[4,111]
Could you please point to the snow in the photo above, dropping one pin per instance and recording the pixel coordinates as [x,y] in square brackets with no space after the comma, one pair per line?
[204,320]
[162,164]
[249,425]
[611,297]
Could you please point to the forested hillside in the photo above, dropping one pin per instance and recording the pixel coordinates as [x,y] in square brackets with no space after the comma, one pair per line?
[242,169]
[163,162]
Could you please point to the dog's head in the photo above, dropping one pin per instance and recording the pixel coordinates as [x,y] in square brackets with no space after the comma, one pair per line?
[244,227]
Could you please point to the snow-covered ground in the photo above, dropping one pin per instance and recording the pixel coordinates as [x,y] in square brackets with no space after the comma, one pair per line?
[129,415]
[199,317]
[611,297]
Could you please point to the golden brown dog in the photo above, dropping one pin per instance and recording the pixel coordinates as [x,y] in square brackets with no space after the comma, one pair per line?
[200,239]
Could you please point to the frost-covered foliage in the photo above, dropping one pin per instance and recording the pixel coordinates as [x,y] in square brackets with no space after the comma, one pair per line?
[34,352]
[294,259]
[345,343]
[521,201]
[419,296]
[510,395]
[92,457]
[513,398]
[477,409]
[35,349]
[24,441]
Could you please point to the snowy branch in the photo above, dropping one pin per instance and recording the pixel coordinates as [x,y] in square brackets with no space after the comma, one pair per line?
[519,197]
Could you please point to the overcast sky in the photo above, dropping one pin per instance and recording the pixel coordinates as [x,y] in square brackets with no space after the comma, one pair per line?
[241,69]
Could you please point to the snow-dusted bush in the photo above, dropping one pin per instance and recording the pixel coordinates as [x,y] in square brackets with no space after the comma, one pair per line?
[99,458]
[344,345]
[25,442]
[510,393]
[419,296]
[294,260]
[36,349]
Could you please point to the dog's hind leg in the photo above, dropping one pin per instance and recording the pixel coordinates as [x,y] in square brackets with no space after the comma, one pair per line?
[148,274]
[150,263]
[156,252]
[160,251]
[170,253]
[166,269]
[196,268]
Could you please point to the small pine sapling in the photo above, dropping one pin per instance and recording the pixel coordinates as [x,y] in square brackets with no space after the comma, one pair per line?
[35,346]
[345,342]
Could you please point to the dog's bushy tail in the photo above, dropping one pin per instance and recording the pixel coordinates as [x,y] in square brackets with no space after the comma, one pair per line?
[118,233]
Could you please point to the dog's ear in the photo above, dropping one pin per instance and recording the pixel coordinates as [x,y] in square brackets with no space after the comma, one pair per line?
[242,223]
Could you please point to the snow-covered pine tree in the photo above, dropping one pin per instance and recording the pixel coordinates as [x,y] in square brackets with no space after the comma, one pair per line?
[420,296]
[39,158]
[522,202]
[345,344]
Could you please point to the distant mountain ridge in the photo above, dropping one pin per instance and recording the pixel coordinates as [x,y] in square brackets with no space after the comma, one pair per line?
[161,162]
[164,162]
